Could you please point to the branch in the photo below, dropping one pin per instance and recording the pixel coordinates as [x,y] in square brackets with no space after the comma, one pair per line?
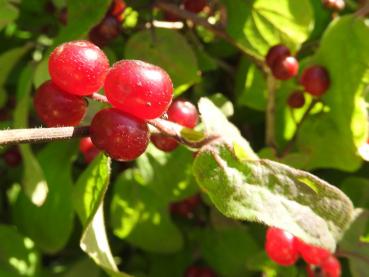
[270,139]
[16,136]
[215,29]
[363,11]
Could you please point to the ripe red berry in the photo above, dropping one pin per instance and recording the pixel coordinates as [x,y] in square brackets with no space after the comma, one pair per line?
[310,270]
[296,99]
[315,80]
[171,17]
[276,52]
[122,136]
[186,207]
[108,29]
[285,68]
[194,6]
[280,246]
[184,113]
[331,267]
[12,157]
[58,108]
[117,8]
[139,88]
[337,5]
[163,142]
[311,254]
[78,67]
[88,149]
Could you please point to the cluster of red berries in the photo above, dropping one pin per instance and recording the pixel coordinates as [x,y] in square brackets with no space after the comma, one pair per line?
[194,6]
[110,27]
[138,91]
[285,249]
[199,271]
[186,207]
[314,79]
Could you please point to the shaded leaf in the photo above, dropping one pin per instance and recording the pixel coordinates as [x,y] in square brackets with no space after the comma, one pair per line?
[8,13]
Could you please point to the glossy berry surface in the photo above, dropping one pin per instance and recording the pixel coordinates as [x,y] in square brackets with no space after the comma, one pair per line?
[331,267]
[163,142]
[312,254]
[88,149]
[58,108]
[138,88]
[12,157]
[199,271]
[183,113]
[280,246]
[78,67]
[276,52]
[296,99]
[315,80]
[285,68]
[122,136]
[194,6]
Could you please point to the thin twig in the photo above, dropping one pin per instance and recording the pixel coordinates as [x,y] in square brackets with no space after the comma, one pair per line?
[363,11]
[292,141]
[17,136]
[348,254]
[99,97]
[270,138]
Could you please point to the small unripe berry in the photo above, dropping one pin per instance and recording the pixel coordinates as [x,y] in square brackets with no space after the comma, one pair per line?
[331,267]
[296,99]
[78,67]
[138,88]
[315,79]
[311,254]
[280,246]
[122,136]
[58,108]
[276,52]
[285,68]
[195,6]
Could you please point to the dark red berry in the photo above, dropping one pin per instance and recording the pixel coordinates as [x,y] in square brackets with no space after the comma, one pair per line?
[199,271]
[183,113]
[78,67]
[117,8]
[276,52]
[331,267]
[296,99]
[192,271]
[109,28]
[186,207]
[285,68]
[138,88]
[63,16]
[171,17]
[163,142]
[12,157]
[88,149]
[315,80]
[122,136]
[58,108]
[337,5]
[311,254]
[194,6]
[280,246]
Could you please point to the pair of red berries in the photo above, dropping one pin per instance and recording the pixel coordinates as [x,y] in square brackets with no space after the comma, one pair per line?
[285,249]
[199,271]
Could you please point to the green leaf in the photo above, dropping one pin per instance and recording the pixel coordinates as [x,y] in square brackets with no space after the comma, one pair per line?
[357,189]
[259,24]
[223,103]
[34,183]
[353,247]
[342,124]
[88,200]
[83,267]
[216,123]
[19,256]
[141,216]
[82,16]
[169,50]
[50,225]
[273,194]
[41,73]
[8,13]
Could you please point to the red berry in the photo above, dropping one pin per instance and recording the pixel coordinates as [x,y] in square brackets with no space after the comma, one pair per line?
[310,270]
[12,157]
[117,8]
[58,108]
[186,207]
[296,99]
[108,29]
[183,113]
[195,6]
[311,254]
[280,246]
[207,272]
[139,88]
[337,5]
[315,80]
[78,67]
[171,17]
[193,271]
[63,16]
[285,68]
[122,136]
[88,149]
[276,52]
[163,142]
[331,267]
